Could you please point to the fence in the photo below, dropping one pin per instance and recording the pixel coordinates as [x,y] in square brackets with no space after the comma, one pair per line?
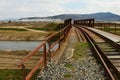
[56,39]
[109,27]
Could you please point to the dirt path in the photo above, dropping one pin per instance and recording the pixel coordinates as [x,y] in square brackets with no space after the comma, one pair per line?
[67,46]
[72,40]
[33,30]
[26,29]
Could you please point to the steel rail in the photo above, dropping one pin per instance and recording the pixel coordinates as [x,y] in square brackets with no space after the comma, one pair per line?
[80,34]
[114,44]
[110,69]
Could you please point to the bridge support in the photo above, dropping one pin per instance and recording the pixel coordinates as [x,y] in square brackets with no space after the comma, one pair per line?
[85,22]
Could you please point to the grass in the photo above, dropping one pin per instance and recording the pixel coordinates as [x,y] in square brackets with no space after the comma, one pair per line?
[14,74]
[8,69]
[111,30]
[68,65]
[22,35]
[10,74]
[80,50]
[47,27]
[33,24]
[15,29]
[11,31]
[42,28]
[68,75]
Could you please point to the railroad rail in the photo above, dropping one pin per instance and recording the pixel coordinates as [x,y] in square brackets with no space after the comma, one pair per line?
[106,51]
[56,38]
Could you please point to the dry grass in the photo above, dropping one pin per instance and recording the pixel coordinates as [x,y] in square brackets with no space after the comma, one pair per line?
[9,60]
[80,51]
[22,35]
[18,24]
[20,30]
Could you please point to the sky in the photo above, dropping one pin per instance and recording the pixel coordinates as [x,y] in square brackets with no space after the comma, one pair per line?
[41,8]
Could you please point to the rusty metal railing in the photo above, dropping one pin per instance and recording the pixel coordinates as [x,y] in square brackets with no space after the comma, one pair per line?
[85,22]
[109,27]
[43,60]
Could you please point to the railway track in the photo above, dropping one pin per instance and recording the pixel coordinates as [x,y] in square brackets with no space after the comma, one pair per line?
[106,52]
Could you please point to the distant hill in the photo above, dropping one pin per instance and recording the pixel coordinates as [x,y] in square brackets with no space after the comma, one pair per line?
[104,16]
[101,16]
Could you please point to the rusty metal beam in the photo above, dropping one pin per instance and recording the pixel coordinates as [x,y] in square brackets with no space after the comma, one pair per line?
[31,54]
[43,59]
[28,77]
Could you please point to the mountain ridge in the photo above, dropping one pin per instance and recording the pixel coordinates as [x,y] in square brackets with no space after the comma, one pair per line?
[101,16]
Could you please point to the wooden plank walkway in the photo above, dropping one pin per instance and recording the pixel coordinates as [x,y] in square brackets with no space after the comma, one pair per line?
[111,36]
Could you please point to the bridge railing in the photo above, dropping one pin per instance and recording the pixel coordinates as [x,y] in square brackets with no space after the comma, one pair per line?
[43,60]
[85,22]
[109,27]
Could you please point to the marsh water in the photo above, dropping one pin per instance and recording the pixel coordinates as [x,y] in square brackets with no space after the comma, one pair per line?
[20,45]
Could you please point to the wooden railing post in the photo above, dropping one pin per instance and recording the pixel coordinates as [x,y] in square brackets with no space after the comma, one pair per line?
[115,29]
[64,34]
[109,27]
[49,51]
[45,58]
[104,27]
[59,36]
[100,26]
[59,40]
[23,72]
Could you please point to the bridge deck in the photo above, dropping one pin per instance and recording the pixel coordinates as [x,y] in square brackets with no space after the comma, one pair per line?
[73,66]
[66,47]
[111,36]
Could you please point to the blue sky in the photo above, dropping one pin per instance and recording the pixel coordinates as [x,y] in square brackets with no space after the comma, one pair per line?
[29,8]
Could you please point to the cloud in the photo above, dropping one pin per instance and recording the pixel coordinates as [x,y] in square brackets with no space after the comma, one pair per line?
[99,6]
[26,8]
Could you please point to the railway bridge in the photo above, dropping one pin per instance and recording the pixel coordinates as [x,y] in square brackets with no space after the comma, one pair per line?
[104,46]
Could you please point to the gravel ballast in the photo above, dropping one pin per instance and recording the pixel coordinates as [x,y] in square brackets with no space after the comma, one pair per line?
[86,69]
[77,63]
